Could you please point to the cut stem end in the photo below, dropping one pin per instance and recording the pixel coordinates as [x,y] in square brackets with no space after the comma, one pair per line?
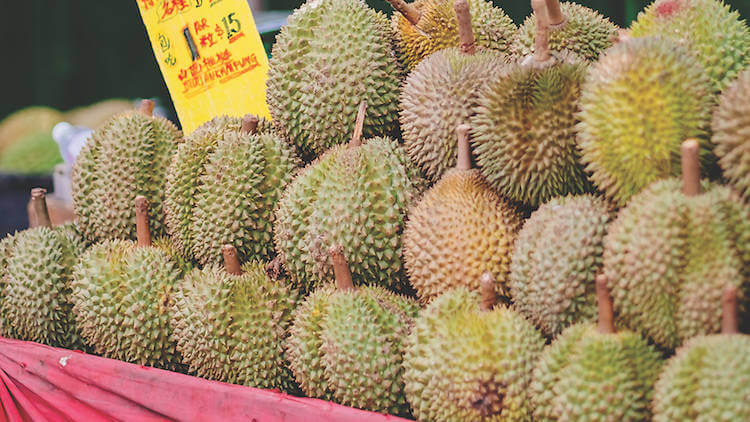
[730,318]
[488,292]
[606,312]
[359,125]
[341,269]
[407,10]
[147,108]
[691,168]
[231,263]
[465,32]
[250,124]
[143,233]
[464,149]
[541,42]
[39,208]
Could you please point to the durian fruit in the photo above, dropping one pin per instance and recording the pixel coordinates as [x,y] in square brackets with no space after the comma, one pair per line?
[573,27]
[639,102]
[330,56]
[223,173]
[524,128]
[731,133]
[36,291]
[466,363]
[26,122]
[426,26]
[123,293]
[230,324]
[96,115]
[34,154]
[709,377]
[669,253]
[125,158]
[459,230]
[556,258]
[441,93]
[363,336]
[592,373]
[6,251]
[355,196]
[709,29]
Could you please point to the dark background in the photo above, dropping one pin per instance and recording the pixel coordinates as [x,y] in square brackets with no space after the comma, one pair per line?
[71,53]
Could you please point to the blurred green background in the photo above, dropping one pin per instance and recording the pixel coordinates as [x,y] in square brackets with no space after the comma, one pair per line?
[66,54]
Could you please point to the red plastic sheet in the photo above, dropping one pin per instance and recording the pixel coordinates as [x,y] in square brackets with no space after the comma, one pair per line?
[41,383]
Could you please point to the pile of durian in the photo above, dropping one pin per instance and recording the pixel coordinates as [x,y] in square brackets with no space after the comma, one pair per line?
[448,218]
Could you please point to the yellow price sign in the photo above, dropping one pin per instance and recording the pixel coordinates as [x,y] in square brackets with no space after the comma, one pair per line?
[211,56]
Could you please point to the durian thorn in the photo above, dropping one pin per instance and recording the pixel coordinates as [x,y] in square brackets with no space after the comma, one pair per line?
[231,263]
[604,300]
[142,231]
[488,292]
[39,208]
[359,125]
[340,268]
[407,10]
[691,168]
[147,108]
[729,318]
[465,31]
[541,42]
[555,16]
[463,161]
[250,124]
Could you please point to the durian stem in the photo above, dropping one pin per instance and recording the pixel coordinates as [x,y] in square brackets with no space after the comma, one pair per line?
[231,263]
[147,108]
[606,312]
[729,320]
[555,14]
[463,161]
[250,124]
[465,31]
[409,11]
[141,221]
[691,168]
[488,292]
[359,125]
[39,208]
[541,43]
[341,269]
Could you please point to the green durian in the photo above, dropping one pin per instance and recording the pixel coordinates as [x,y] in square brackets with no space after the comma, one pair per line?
[232,327]
[126,157]
[592,373]
[6,251]
[731,133]
[709,29]
[584,32]
[123,293]
[459,230]
[639,102]
[34,154]
[440,94]
[524,129]
[27,122]
[355,196]
[668,254]
[556,258]
[426,26]
[223,186]
[463,363]
[331,55]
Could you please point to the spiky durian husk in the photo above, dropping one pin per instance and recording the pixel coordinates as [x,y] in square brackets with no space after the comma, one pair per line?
[639,103]
[588,376]
[438,96]
[222,188]
[6,251]
[122,297]
[668,258]
[523,132]
[709,29]
[585,32]
[438,30]
[332,55]
[232,328]
[363,341]
[462,364]
[305,342]
[731,133]
[36,296]
[355,198]
[556,259]
[707,380]
[459,230]
[125,158]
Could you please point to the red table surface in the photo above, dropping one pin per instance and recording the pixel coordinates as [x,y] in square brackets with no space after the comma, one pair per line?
[42,383]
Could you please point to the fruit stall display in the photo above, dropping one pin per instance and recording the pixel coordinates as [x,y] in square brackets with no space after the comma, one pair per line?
[448,218]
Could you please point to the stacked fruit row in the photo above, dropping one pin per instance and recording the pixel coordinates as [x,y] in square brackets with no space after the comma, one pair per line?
[535,192]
